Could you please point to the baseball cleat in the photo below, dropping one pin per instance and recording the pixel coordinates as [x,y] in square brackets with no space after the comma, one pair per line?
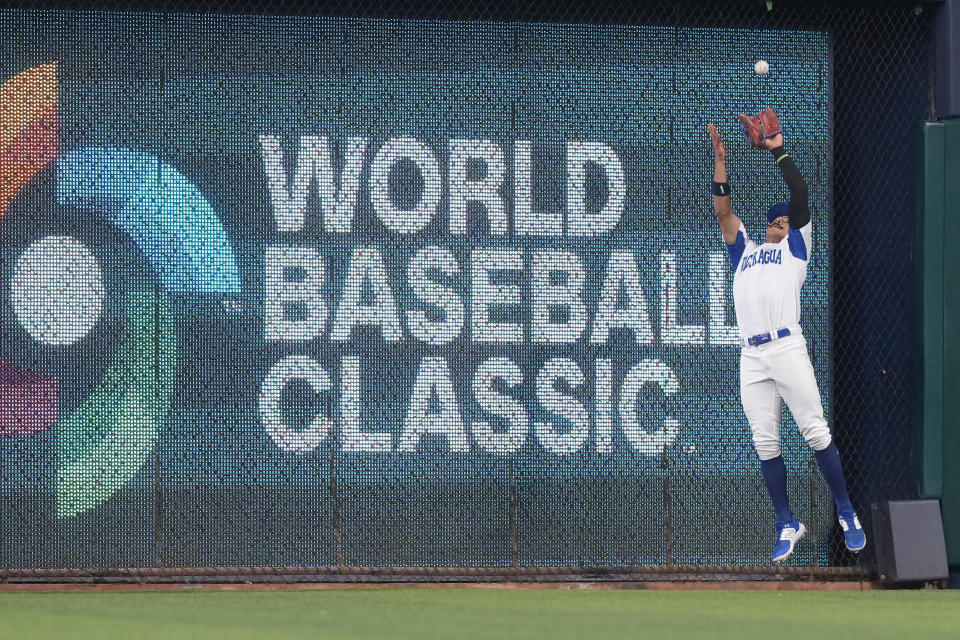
[769,123]
[853,534]
[788,534]
[752,130]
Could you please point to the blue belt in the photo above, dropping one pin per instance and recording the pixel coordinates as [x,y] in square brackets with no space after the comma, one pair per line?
[763,338]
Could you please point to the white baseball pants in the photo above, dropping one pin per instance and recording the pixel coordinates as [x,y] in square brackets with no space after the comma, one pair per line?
[775,372]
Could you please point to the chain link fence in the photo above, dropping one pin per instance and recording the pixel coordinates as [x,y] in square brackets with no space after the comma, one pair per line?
[203,471]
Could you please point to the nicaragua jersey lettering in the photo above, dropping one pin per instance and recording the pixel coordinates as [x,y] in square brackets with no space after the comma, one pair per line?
[767,280]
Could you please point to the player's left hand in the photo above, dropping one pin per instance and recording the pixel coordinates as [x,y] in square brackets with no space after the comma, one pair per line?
[773,141]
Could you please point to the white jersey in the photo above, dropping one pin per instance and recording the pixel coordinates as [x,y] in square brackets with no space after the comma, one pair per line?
[767,280]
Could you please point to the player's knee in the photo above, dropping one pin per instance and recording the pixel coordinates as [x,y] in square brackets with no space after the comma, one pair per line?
[766,446]
[817,437]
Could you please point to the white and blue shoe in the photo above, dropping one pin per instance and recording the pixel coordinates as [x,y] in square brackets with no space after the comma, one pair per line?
[853,534]
[788,534]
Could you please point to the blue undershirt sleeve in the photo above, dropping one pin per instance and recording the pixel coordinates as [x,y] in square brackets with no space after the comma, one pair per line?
[798,246]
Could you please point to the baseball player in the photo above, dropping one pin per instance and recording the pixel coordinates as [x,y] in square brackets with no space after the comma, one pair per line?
[774,364]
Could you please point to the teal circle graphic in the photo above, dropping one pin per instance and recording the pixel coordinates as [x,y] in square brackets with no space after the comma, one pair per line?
[108,438]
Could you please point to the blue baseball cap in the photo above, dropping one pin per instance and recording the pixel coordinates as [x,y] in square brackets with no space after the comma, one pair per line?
[777,210]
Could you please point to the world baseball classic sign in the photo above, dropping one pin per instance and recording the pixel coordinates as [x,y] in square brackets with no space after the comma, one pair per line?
[282,290]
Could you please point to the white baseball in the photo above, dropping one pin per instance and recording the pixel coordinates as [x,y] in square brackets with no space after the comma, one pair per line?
[761,67]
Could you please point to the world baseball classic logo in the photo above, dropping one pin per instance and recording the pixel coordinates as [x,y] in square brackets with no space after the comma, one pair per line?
[57,291]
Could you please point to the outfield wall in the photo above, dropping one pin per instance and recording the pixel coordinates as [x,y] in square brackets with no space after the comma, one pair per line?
[317,291]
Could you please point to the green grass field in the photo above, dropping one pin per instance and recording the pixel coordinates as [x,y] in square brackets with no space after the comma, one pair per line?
[466,613]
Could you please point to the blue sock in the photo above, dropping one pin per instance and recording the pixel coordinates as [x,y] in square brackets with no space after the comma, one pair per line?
[775,475]
[829,461]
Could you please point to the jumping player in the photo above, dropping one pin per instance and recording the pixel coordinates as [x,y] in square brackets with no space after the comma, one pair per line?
[774,364]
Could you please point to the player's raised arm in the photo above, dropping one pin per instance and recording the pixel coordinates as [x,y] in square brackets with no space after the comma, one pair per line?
[729,223]
[799,214]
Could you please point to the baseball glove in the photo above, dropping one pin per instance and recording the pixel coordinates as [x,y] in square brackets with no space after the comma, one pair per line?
[769,123]
[752,130]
